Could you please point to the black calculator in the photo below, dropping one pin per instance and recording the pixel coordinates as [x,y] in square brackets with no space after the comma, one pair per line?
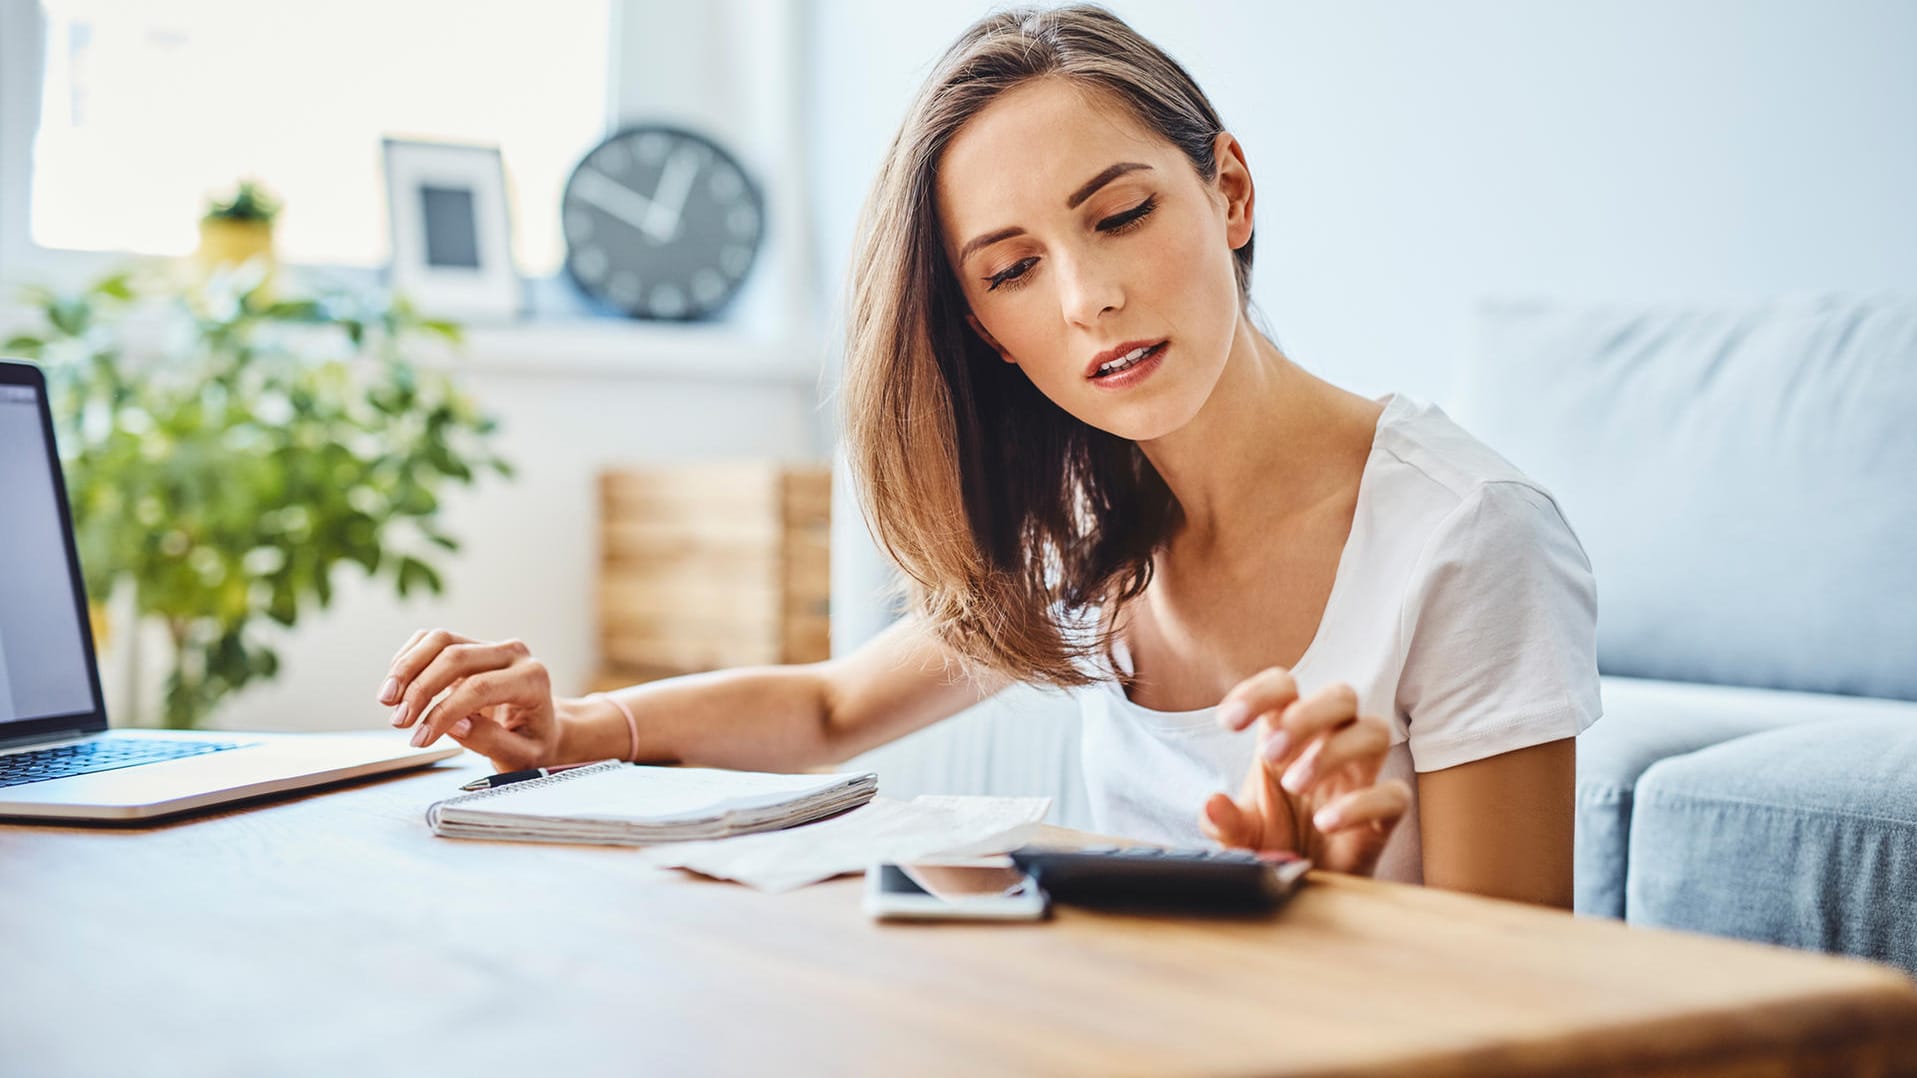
[1152,877]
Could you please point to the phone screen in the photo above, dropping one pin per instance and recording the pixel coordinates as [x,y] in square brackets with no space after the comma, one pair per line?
[954,883]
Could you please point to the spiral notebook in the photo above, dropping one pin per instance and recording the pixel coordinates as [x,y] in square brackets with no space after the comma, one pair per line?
[620,804]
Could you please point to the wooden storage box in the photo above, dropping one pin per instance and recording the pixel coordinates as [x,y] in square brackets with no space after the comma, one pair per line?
[713,565]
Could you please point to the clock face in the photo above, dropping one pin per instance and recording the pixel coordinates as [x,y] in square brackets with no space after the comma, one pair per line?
[660,223]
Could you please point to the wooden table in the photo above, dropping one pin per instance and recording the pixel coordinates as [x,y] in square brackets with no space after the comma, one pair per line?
[333,934]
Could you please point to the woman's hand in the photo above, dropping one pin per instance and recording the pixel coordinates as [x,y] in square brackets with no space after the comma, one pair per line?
[1314,787]
[498,697]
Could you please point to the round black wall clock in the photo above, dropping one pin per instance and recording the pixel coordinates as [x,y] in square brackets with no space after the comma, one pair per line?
[661,223]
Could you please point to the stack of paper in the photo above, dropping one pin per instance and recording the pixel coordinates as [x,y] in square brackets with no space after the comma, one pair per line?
[614,803]
[884,830]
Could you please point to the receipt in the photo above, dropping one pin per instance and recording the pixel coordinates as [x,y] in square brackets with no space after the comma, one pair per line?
[880,830]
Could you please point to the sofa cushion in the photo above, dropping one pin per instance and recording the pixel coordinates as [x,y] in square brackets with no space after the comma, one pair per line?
[1646,721]
[1740,477]
[1804,836]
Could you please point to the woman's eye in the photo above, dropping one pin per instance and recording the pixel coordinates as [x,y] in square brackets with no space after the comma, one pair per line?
[1010,275]
[1014,275]
[1124,222]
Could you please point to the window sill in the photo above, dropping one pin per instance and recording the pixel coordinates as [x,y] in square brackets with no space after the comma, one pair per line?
[604,348]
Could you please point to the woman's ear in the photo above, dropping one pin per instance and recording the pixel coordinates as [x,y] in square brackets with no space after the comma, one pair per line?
[992,342]
[1234,182]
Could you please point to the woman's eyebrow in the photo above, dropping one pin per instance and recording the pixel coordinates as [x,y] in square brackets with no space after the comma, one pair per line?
[987,240]
[1092,185]
[1076,200]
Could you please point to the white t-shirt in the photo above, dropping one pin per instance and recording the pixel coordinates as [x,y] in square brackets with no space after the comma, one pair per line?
[1463,610]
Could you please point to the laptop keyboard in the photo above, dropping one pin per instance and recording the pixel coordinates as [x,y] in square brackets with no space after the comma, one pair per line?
[104,754]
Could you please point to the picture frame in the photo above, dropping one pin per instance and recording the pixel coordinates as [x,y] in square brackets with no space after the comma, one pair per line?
[451,230]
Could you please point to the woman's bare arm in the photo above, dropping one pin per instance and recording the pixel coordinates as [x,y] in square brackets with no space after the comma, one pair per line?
[781,718]
[1502,826]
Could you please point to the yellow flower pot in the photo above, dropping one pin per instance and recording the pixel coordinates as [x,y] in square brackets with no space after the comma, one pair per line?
[227,244]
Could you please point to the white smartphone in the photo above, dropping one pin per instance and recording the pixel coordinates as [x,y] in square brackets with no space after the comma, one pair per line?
[969,889]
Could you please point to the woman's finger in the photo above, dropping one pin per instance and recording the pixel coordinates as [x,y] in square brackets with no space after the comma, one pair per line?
[509,751]
[1378,807]
[448,666]
[424,648]
[1362,743]
[418,635]
[1304,720]
[421,648]
[390,689]
[524,684]
[1228,825]
[471,695]
[1267,690]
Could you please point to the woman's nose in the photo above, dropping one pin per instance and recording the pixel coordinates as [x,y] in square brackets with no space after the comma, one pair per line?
[1089,291]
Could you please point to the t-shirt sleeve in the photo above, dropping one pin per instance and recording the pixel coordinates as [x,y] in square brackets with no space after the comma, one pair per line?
[1500,631]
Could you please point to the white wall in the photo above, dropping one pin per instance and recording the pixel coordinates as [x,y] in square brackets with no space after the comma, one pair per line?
[1413,159]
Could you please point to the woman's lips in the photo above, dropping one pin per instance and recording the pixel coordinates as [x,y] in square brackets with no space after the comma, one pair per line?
[1117,352]
[1137,372]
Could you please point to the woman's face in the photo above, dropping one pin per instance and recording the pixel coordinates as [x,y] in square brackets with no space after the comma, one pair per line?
[1080,237]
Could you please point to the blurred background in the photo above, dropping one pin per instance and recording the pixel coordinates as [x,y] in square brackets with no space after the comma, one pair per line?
[1415,162]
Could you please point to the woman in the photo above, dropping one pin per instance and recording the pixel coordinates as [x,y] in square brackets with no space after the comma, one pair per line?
[1096,473]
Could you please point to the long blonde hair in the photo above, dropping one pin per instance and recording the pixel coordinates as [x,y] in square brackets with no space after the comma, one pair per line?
[1007,515]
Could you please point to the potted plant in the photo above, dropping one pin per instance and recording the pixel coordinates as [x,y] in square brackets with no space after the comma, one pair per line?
[225,475]
[239,228]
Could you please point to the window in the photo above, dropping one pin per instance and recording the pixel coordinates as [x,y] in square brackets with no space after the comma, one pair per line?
[149,106]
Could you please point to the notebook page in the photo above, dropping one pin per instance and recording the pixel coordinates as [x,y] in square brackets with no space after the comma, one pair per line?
[658,794]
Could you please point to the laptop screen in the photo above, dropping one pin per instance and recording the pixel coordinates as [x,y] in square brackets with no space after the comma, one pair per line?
[43,655]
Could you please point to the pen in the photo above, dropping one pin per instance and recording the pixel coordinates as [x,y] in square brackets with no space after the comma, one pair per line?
[491,781]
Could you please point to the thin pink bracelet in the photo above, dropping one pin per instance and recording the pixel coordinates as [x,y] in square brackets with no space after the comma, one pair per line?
[632,724]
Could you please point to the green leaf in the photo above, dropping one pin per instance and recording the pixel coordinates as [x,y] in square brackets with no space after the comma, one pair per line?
[413,573]
[70,315]
[118,286]
[366,557]
[300,310]
[23,346]
[284,609]
[416,501]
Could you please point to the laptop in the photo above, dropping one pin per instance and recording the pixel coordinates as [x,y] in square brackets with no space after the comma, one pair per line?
[58,760]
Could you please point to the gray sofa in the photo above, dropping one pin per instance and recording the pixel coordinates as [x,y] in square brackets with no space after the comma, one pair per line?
[1744,480]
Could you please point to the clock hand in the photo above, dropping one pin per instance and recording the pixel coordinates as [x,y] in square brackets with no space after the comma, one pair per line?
[676,179]
[620,201]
